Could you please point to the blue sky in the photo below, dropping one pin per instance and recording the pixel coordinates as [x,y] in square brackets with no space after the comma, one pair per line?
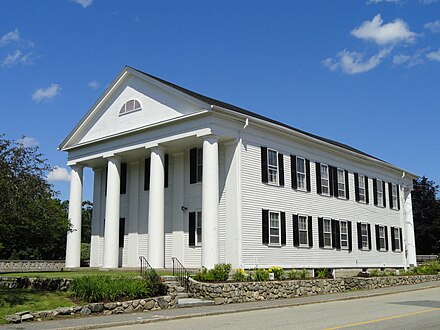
[365,73]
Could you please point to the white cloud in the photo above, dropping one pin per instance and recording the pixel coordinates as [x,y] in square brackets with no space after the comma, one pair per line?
[27,141]
[16,58]
[434,56]
[410,60]
[94,84]
[58,174]
[354,62]
[433,26]
[44,94]
[383,34]
[84,3]
[9,37]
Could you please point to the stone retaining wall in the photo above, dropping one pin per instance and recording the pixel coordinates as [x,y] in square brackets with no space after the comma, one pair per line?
[225,293]
[46,284]
[131,306]
[15,266]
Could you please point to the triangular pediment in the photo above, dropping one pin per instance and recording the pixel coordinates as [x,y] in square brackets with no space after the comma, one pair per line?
[159,103]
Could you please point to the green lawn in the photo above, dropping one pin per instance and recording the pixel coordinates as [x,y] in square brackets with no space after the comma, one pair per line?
[75,274]
[18,300]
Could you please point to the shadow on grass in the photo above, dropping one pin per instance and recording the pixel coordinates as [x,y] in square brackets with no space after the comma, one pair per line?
[14,297]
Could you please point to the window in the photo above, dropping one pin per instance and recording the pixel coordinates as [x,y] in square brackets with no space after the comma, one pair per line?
[397,246]
[325,186]
[394,196]
[327,233]
[343,225]
[195,165]
[361,188]
[379,192]
[195,228]
[303,230]
[381,238]
[272,166]
[274,228]
[301,173]
[364,236]
[130,106]
[341,183]
[121,232]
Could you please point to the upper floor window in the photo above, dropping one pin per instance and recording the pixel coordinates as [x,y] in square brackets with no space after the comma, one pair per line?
[130,106]
[394,195]
[272,166]
[341,183]
[195,165]
[301,173]
[379,192]
[325,186]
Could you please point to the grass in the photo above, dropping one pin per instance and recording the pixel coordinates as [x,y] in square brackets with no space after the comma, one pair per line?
[18,300]
[81,273]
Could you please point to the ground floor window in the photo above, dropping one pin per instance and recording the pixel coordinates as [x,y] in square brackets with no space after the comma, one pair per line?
[195,228]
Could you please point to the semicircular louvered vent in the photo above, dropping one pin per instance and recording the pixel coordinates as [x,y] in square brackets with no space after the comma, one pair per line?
[130,106]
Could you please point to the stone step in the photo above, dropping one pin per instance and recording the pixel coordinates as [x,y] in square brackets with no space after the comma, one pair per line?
[182,295]
[172,283]
[170,278]
[193,302]
[180,289]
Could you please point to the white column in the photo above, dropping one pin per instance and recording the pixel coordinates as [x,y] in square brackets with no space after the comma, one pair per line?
[410,246]
[133,215]
[210,200]
[178,202]
[73,247]
[156,219]
[112,204]
[96,218]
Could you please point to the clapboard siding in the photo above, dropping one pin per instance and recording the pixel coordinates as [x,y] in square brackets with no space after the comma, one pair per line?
[222,204]
[257,196]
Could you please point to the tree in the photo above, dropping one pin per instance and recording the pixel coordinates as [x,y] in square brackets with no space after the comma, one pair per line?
[33,224]
[426,213]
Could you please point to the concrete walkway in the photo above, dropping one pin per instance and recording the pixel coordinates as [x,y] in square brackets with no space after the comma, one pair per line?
[95,322]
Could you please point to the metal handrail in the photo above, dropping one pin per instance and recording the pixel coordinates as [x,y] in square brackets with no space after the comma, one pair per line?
[181,273]
[145,265]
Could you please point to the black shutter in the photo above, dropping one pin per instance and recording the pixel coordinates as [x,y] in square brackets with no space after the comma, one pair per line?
[166,170]
[123,182]
[293,171]
[393,242]
[398,197]
[264,174]
[265,226]
[336,231]
[310,231]
[367,191]
[334,238]
[369,236]
[335,181]
[193,165]
[308,183]
[347,186]
[401,239]
[384,195]
[192,228]
[386,238]
[295,230]
[147,174]
[283,228]
[350,243]
[318,178]
[390,194]
[281,169]
[377,238]
[121,232]
[375,191]
[321,232]
[356,186]
[331,179]
[359,232]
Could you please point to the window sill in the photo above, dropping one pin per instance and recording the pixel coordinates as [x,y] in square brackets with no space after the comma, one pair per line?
[328,248]
[274,245]
[304,246]
[273,184]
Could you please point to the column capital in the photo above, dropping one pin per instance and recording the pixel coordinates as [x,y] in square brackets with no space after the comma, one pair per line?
[77,166]
[157,149]
[211,138]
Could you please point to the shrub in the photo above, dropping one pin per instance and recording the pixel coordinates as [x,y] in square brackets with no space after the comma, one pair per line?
[85,254]
[96,288]
[298,274]
[240,275]
[261,275]
[323,273]
[277,272]
[219,273]
[157,288]
[376,273]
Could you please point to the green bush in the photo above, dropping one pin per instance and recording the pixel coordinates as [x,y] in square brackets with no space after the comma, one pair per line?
[96,288]
[323,273]
[261,275]
[277,272]
[157,288]
[219,273]
[240,275]
[85,253]
[298,274]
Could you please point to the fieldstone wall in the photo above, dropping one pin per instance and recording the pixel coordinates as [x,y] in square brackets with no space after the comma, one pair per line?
[46,284]
[225,293]
[15,266]
[131,306]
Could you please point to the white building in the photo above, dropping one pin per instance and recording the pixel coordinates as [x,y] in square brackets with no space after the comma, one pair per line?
[180,174]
